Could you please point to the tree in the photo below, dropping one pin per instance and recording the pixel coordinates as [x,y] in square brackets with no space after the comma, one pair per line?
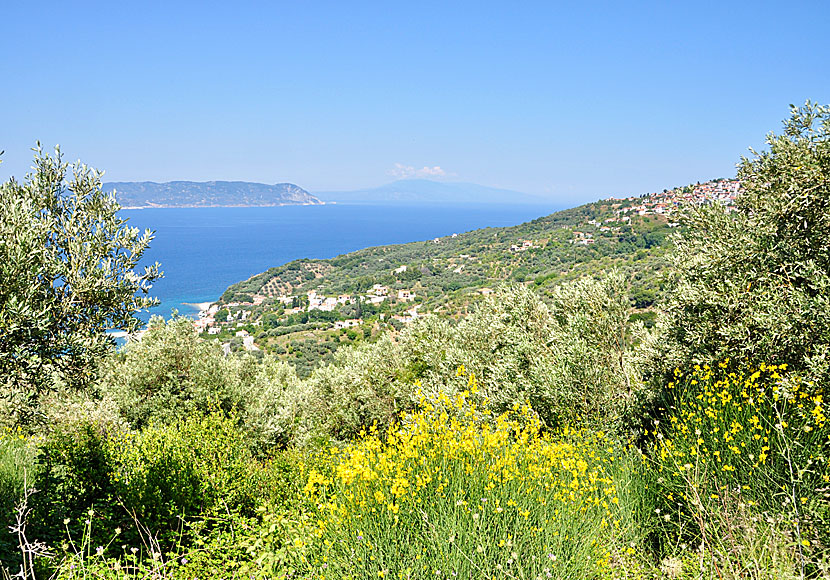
[754,284]
[67,274]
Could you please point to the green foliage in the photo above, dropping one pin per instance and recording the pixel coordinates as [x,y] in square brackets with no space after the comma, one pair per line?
[573,360]
[75,474]
[591,346]
[198,467]
[164,475]
[742,447]
[170,373]
[67,269]
[755,284]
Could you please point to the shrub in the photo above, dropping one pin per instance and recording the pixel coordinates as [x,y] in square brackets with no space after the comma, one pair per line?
[170,373]
[162,476]
[75,473]
[197,468]
[455,490]
[743,447]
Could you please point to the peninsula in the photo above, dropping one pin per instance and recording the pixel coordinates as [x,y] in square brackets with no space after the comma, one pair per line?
[148,194]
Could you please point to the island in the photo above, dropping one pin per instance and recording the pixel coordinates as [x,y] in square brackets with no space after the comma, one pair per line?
[149,194]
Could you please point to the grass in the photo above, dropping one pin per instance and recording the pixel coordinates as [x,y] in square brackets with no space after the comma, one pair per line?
[456,492]
[16,470]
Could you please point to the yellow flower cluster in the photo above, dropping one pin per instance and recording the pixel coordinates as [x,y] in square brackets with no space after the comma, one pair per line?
[452,465]
[737,426]
[9,434]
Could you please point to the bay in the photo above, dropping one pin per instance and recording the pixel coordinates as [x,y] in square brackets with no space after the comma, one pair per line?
[204,250]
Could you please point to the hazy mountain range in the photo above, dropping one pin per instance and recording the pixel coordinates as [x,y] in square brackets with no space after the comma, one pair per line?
[208,194]
[426,191]
[137,194]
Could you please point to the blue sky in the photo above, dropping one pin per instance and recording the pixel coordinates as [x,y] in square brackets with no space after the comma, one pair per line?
[574,101]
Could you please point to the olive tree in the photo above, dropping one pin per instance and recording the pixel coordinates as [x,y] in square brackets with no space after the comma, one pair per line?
[67,274]
[754,284]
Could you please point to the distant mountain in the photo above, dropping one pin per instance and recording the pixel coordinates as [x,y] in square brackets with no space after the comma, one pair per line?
[208,194]
[426,191]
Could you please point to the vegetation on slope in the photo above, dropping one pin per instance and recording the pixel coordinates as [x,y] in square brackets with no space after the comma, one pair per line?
[529,439]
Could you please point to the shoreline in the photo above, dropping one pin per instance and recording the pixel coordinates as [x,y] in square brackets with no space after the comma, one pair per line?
[202,306]
[131,207]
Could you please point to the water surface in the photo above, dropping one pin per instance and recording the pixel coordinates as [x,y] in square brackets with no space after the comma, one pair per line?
[204,250]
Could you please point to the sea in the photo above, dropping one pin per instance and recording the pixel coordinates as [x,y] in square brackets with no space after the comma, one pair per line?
[202,251]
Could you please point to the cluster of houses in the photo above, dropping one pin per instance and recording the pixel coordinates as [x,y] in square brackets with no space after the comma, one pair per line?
[410,316]
[323,303]
[525,246]
[378,294]
[666,202]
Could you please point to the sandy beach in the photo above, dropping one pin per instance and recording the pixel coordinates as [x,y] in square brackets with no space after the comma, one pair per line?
[200,305]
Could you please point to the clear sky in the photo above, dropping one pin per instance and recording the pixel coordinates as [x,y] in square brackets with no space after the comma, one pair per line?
[572,100]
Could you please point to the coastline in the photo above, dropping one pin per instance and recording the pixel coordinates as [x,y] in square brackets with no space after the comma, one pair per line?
[202,306]
[132,207]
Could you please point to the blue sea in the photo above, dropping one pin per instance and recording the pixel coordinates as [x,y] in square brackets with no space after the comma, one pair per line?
[202,251]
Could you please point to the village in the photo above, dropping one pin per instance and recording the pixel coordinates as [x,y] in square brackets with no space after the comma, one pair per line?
[667,202]
[237,315]
[662,204]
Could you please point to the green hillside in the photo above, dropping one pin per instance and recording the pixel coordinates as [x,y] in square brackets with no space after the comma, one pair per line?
[444,276]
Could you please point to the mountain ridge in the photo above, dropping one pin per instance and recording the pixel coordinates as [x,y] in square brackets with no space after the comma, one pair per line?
[169,194]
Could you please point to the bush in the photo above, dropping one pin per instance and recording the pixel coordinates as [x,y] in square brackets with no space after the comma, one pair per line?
[198,468]
[194,470]
[75,474]
[456,491]
[170,373]
[742,447]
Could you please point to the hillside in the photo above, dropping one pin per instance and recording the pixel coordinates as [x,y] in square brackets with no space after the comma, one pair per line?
[138,194]
[305,310]
[416,191]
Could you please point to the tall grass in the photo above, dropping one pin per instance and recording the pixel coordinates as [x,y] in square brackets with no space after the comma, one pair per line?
[455,492]
[16,470]
[742,465]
